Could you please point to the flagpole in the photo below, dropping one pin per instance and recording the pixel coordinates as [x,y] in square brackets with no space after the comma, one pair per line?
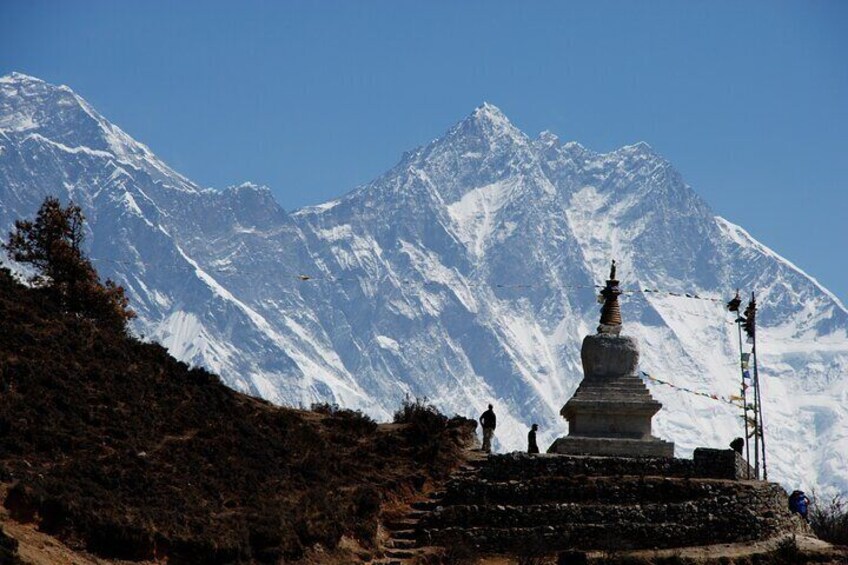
[733,306]
[759,413]
[751,329]
[750,321]
[744,398]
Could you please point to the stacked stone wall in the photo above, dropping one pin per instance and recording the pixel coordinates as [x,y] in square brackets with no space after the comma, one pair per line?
[515,465]
[720,464]
[706,464]
[536,504]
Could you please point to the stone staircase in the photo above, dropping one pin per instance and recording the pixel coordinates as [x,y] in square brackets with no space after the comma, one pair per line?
[407,542]
[517,504]
[404,545]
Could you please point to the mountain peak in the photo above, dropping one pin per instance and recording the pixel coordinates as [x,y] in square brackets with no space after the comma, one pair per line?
[489,110]
[491,116]
[15,76]
[548,139]
[248,186]
[31,107]
[489,124]
[638,147]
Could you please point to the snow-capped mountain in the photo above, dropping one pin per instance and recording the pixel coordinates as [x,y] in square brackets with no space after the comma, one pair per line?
[466,274]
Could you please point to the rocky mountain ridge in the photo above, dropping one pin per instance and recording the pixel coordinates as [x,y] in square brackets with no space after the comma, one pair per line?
[466,274]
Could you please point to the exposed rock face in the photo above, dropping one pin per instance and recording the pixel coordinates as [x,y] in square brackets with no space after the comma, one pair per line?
[522,504]
[611,411]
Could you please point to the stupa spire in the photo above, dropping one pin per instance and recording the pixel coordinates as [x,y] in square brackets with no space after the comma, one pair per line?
[611,310]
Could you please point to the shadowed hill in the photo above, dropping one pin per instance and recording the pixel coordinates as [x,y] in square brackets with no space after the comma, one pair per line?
[115,447]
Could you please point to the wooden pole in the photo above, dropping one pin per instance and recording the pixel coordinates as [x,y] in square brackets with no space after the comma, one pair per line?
[744,398]
[759,412]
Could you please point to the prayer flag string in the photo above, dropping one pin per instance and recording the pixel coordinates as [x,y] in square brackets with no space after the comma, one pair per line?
[733,400]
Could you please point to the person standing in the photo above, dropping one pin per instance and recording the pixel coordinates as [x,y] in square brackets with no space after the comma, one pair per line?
[488,421]
[532,446]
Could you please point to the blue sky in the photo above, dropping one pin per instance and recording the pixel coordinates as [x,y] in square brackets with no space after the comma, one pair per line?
[749,100]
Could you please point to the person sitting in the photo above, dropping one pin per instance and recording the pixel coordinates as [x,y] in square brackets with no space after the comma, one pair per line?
[798,502]
[737,445]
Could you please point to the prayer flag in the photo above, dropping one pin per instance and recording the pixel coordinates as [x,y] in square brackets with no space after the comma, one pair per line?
[734,303]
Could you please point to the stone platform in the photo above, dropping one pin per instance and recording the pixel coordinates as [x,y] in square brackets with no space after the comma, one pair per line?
[521,504]
[652,447]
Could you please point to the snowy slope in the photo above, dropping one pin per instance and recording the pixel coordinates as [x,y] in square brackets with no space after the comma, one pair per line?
[464,274]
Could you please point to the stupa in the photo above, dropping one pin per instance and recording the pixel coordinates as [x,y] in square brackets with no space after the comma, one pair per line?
[611,410]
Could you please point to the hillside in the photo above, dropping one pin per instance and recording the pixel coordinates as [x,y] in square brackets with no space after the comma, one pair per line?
[116,448]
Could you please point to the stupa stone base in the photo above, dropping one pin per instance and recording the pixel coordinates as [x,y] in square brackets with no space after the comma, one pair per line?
[610,412]
[615,447]
[525,505]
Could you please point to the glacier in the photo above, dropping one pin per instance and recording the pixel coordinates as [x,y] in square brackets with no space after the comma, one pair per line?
[466,275]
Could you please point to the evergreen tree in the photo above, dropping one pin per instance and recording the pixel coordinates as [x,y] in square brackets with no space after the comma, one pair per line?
[52,244]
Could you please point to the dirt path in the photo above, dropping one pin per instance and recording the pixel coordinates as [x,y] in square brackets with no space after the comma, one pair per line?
[806,544]
[809,546]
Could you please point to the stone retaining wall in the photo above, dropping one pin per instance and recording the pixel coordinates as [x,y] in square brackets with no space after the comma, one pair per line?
[520,504]
[706,464]
[513,465]
[720,464]
[586,489]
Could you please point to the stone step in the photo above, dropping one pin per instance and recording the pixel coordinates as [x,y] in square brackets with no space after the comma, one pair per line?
[522,465]
[479,460]
[404,523]
[608,490]
[626,391]
[400,553]
[397,543]
[415,556]
[612,386]
[614,393]
[426,505]
[719,512]
[409,520]
[469,470]
[404,534]
[545,539]
[612,383]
